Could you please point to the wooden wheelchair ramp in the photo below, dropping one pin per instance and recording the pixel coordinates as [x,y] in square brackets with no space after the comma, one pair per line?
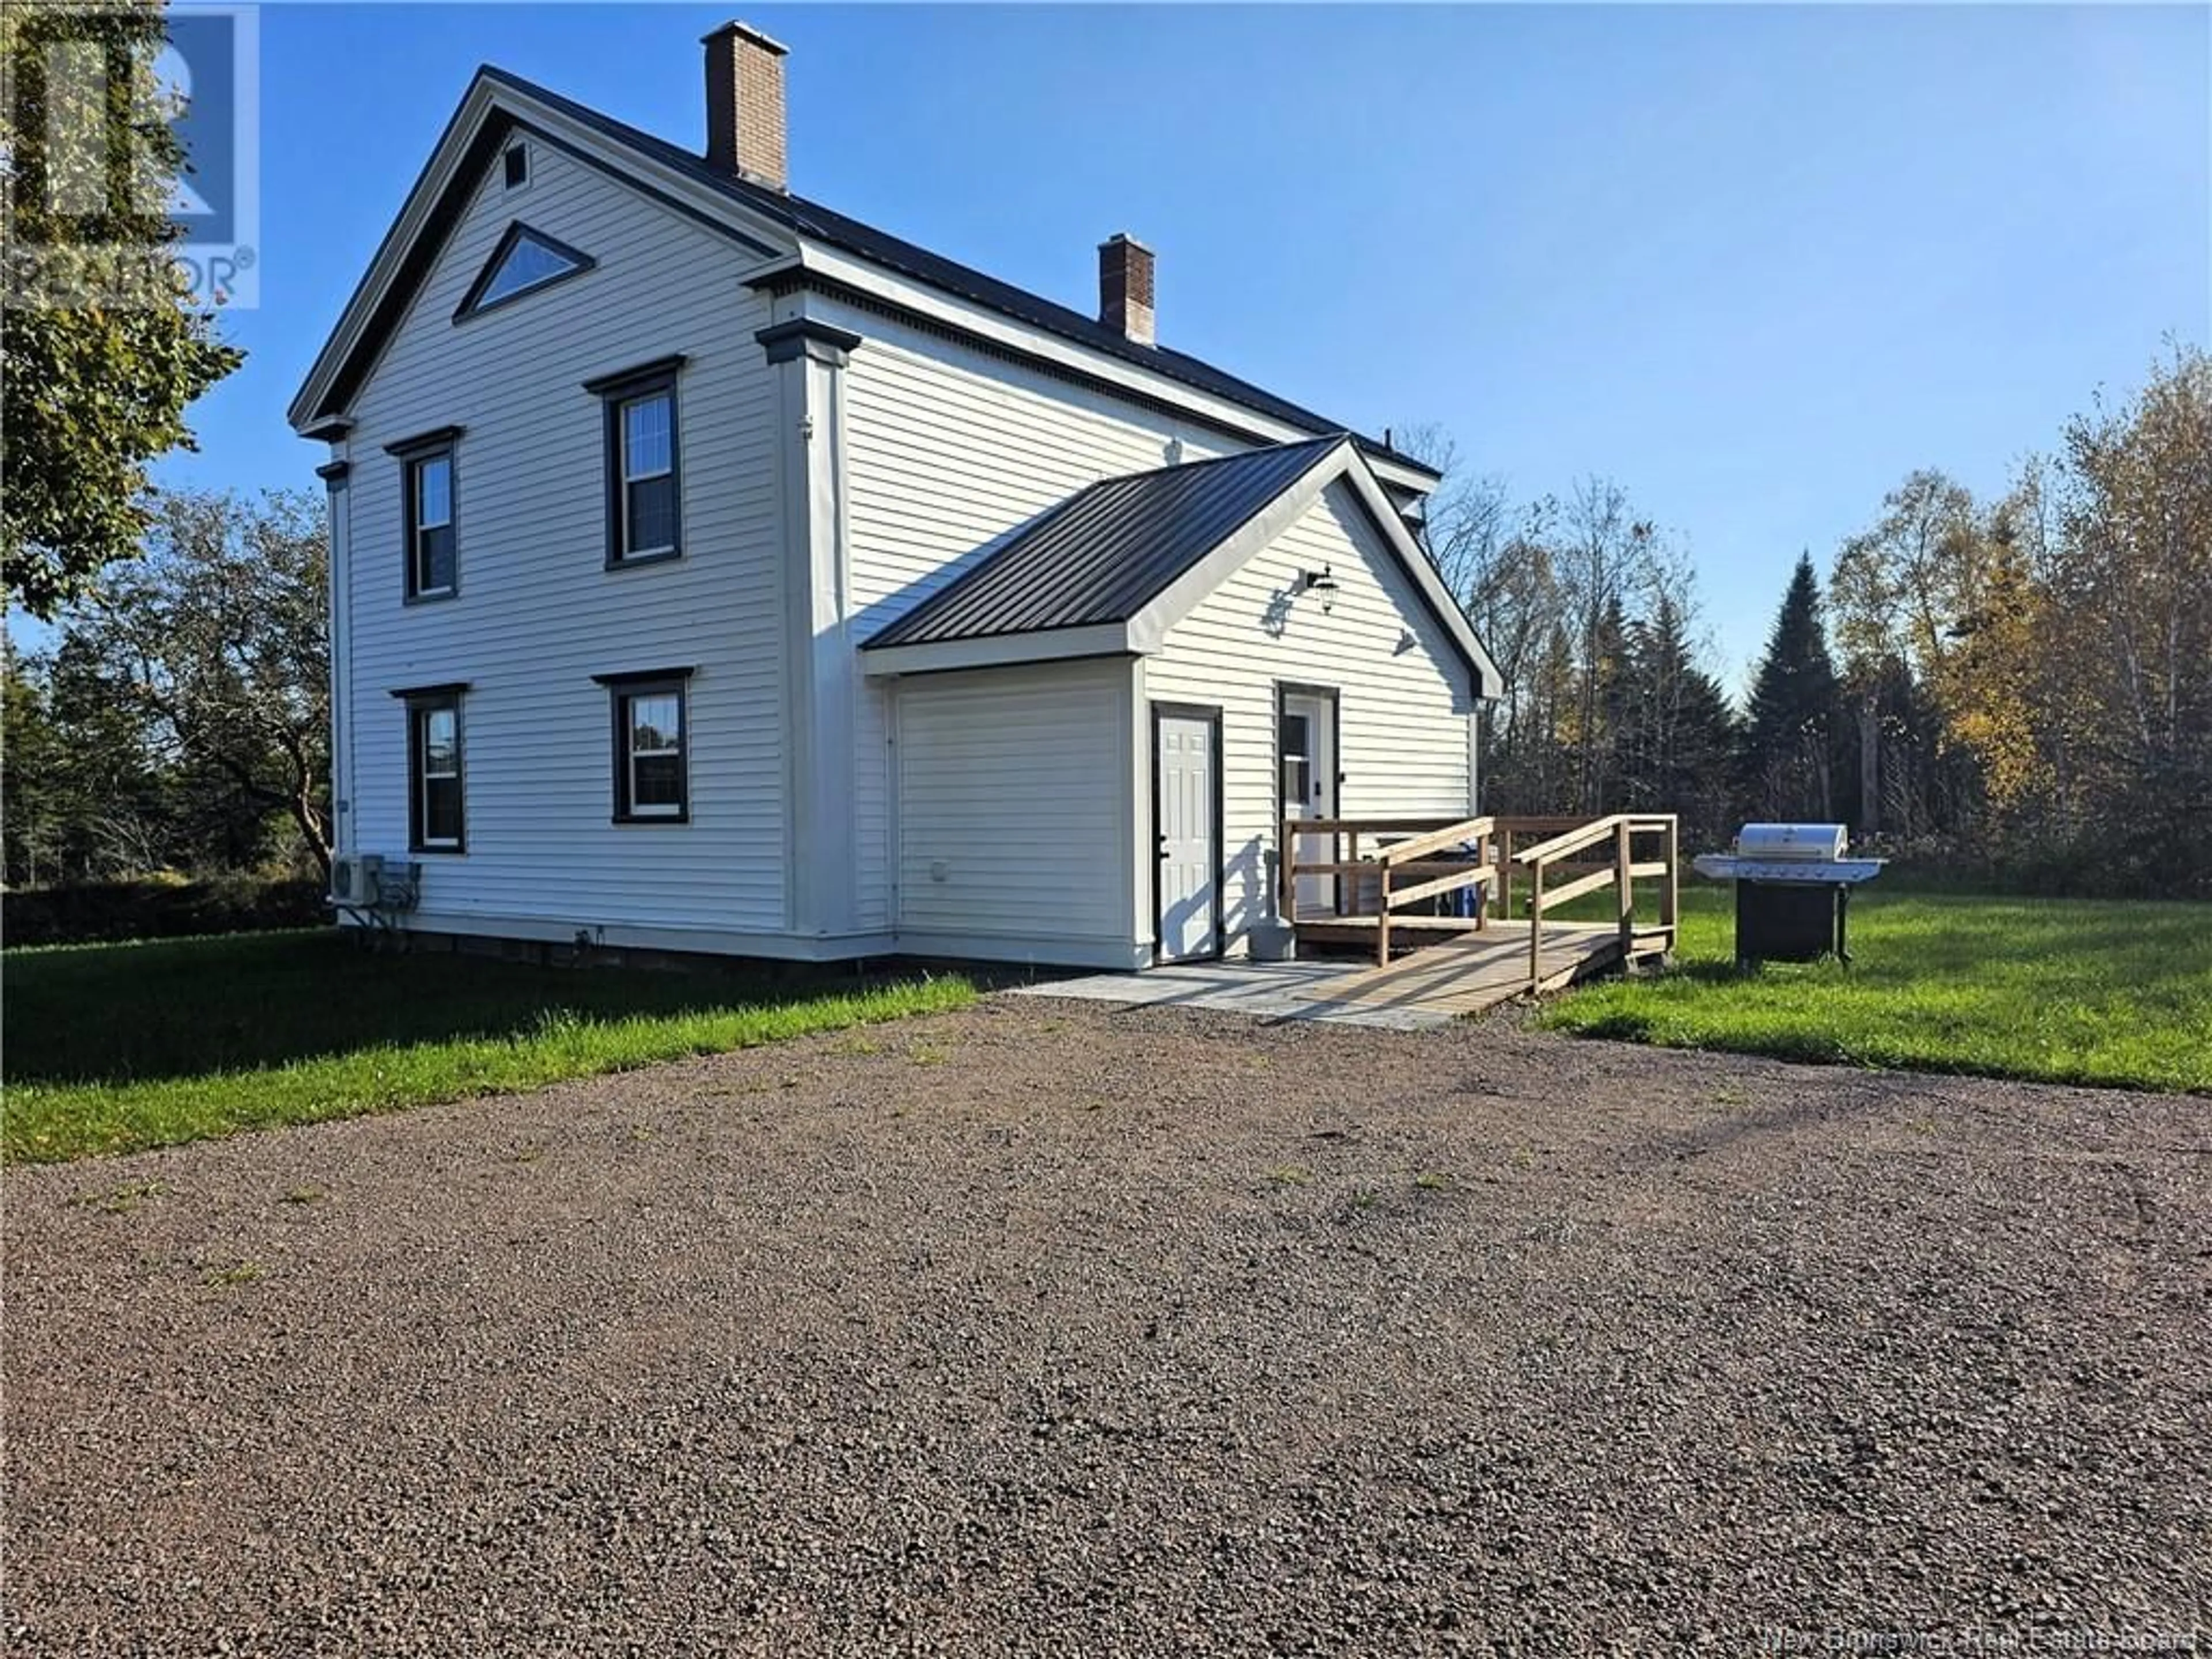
[1462,964]
[1469,973]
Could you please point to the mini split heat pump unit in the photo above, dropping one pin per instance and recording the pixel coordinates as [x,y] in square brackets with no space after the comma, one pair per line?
[353,880]
[368,881]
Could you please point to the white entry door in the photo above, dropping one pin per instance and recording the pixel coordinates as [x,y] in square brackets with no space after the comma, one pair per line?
[1184,793]
[1308,766]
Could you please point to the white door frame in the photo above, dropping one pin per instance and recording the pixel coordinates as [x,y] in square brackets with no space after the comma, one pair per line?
[1320,707]
[1210,716]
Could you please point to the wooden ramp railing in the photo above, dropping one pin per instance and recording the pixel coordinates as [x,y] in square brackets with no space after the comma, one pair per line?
[1412,859]
[1619,832]
[1417,861]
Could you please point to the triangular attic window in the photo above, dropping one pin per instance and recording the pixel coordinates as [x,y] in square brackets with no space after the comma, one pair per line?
[525,261]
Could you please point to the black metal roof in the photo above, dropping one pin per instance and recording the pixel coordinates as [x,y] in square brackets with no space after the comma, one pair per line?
[1109,550]
[878,247]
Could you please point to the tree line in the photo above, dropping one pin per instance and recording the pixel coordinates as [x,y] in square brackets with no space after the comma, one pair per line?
[2018,689]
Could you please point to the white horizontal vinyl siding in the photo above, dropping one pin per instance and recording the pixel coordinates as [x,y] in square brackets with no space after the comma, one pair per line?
[1013,809]
[952,449]
[1403,698]
[538,615]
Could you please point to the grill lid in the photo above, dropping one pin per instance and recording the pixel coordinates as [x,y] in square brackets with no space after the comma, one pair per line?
[1776,842]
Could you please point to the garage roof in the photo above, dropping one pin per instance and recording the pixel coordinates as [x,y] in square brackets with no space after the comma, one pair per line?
[1109,570]
[1107,550]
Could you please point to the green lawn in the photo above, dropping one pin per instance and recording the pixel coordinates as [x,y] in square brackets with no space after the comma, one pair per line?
[2061,990]
[112,1048]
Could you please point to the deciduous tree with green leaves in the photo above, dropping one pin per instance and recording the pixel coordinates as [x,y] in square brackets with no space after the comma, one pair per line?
[218,638]
[92,393]
[2128,640]
[1896,594]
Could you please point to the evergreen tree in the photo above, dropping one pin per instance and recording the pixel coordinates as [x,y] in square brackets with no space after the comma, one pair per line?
[1599,746]
[1546,779]
[1678,734]
[1789,758]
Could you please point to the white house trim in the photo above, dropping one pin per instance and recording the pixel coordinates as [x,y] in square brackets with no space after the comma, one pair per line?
[706,941]
[1055,645]
[818,647]
[1034,949]
[1417,565]
[338,500]
[1138,830]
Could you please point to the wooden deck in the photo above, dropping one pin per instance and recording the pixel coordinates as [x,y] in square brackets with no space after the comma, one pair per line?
[1464,965]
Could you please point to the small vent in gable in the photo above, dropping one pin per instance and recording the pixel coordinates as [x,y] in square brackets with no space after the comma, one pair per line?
[525,261]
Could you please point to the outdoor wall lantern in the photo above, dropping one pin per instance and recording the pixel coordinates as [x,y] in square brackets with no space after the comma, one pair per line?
[1322,582]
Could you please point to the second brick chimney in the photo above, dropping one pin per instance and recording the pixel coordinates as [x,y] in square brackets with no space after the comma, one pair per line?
[745,104]
[1125,287]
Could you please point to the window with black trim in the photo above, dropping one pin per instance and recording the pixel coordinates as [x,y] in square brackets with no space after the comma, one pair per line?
[432,547]
[651,745]
[434,786]
[516,162]
[525,261]
[643,461]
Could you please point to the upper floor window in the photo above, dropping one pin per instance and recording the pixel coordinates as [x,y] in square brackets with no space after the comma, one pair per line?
[430,514]
[644,486]
[525,261]
[649,475]
[516,163]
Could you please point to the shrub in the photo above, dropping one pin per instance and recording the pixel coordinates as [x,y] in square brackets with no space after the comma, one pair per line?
[158,908]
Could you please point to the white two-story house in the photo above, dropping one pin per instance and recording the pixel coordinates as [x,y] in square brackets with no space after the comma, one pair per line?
[711,572]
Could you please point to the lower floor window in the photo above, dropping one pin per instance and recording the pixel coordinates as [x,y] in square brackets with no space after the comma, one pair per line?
[434,746]
[652,781]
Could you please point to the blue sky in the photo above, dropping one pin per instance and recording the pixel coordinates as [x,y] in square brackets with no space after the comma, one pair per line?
[1754,261]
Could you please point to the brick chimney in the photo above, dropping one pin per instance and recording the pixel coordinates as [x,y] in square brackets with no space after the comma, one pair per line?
[1125,287]
[745,104]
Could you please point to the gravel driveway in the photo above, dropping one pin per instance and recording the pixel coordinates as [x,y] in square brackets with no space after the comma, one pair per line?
[1051,1328]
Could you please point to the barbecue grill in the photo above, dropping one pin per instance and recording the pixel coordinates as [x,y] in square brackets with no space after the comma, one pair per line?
[1793,891]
